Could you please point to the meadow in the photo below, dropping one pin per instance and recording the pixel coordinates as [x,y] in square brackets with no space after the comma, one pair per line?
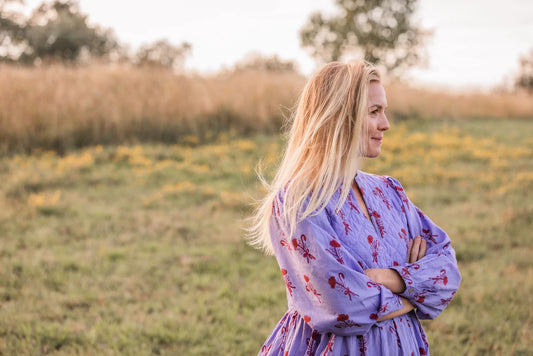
[63,108]
[137,249]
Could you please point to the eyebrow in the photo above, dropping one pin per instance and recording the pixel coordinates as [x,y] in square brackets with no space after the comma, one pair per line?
[379,106]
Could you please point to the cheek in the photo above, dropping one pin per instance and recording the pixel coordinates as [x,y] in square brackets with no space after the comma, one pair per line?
[372,123]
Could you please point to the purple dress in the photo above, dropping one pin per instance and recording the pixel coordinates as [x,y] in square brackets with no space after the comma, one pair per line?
[333,307]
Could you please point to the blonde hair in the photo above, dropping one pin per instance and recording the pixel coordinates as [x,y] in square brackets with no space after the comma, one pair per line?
[326,140]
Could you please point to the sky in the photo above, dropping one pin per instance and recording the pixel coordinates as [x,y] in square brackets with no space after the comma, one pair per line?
[475,43]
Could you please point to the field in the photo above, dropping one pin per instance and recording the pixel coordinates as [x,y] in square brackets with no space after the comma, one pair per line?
[138,249]
[63,108]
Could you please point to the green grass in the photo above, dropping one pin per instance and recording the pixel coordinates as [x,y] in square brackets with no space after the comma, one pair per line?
[139,250]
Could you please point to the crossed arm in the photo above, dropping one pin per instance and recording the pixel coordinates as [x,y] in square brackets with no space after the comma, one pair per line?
[393,281]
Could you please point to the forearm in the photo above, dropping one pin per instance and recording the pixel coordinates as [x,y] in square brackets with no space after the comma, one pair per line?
[388,277]
[391,280]
[407,307]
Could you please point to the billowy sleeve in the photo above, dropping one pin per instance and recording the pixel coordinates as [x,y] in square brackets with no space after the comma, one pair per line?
[325,284]
[432,281]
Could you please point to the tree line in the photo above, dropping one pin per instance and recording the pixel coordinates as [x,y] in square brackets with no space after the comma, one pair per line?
[380,31]
[59,31]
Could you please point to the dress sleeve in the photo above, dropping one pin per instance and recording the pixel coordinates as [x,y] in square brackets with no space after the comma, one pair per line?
[432,281]
[325,284]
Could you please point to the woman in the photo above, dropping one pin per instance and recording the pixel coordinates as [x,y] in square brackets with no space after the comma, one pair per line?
[360,262]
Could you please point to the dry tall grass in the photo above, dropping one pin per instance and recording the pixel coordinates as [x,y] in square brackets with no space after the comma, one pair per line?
[417,103]
[61,108]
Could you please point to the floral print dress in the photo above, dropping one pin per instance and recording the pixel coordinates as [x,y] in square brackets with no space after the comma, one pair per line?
[333,307]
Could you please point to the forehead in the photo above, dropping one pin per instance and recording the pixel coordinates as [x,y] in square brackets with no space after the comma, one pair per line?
[376,95]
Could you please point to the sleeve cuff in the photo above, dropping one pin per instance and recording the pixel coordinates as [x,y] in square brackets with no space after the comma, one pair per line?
[410,291]
[391,302]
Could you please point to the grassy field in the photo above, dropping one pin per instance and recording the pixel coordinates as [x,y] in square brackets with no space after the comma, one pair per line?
[138,250]
[64,108]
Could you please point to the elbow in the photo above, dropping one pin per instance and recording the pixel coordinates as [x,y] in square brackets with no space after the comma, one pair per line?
[449,277]
[431,305]
[450,286]
[454,277]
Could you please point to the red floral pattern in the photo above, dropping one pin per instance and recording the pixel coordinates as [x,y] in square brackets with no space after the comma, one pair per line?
[335,250]
[309,287]
[301,246]
[345,322]
[287,280]
[341,285]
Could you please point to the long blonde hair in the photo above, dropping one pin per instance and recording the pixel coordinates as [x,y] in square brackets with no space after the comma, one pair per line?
[326,140]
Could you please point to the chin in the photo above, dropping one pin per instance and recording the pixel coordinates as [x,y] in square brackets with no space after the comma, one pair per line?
[372,154]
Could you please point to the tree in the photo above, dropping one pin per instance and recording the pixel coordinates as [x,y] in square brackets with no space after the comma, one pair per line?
[524,79]
[265,63]
[164,54]
[59,30]
[12,29]
[55,29]
[380,31]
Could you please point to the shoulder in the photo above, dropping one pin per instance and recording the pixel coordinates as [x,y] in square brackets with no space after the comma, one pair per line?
[282,195]
[283,204]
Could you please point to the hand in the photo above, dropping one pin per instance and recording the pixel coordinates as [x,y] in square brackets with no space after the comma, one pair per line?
[407,307]
[417,249]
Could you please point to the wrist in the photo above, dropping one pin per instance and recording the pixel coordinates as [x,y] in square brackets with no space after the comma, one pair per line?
[394,281]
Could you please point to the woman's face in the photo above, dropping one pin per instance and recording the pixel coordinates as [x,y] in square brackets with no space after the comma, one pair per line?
[376,119]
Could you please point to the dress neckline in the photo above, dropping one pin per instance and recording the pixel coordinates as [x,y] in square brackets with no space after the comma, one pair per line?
[359,181]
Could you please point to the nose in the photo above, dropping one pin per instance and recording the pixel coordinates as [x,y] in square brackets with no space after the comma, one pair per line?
[383,123]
